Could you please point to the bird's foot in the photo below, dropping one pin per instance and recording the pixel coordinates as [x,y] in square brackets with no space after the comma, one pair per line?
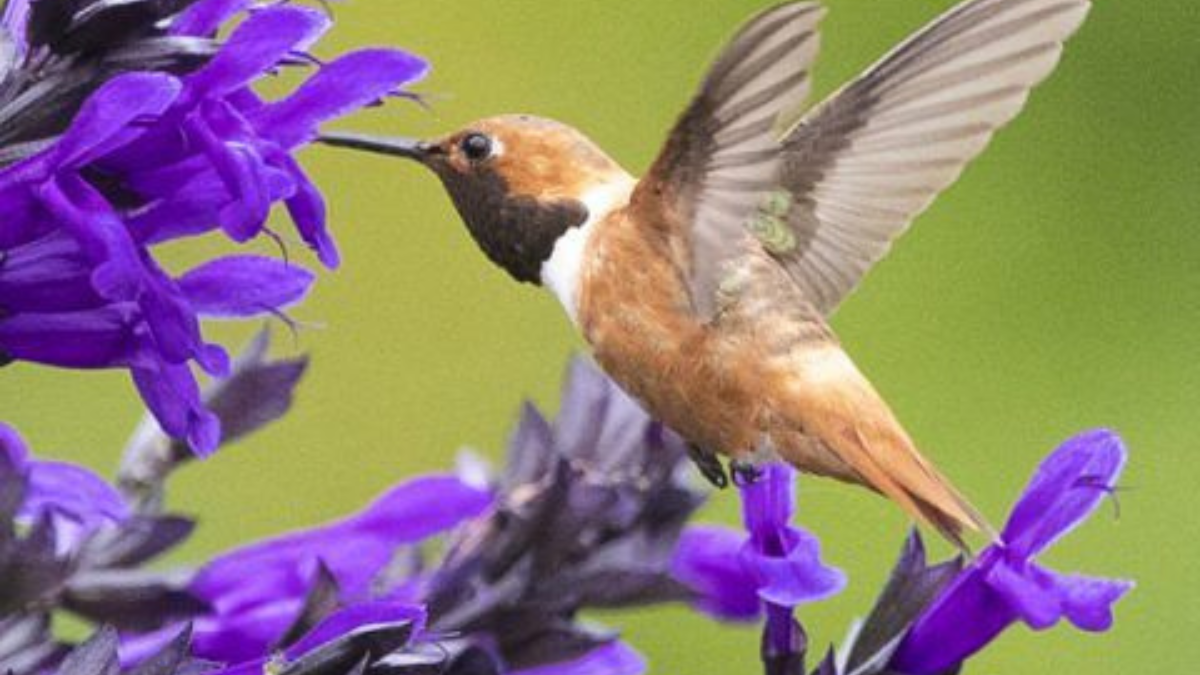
[709,465]
[744,473]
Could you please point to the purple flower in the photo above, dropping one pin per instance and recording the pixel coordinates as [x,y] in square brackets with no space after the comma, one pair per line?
[99,163]
[778,566]
[708,559]
[1005,585]
[614,658]
[588,513]
[256,593]
[76,501]
[390,625]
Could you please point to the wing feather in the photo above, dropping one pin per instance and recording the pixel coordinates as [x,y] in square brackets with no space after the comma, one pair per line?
[865,163]
[827,194]
[724,153]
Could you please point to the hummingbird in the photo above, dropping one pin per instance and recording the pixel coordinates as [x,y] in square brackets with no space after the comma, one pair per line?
[704,288]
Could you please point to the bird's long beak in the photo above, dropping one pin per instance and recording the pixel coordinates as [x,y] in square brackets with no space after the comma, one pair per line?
[410,148]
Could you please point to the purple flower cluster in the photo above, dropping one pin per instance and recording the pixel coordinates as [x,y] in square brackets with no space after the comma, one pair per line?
[590,511]
[929,620]
[151,155]
[258,592]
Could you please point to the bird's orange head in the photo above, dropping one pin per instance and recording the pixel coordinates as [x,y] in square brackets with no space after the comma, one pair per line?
[517,181]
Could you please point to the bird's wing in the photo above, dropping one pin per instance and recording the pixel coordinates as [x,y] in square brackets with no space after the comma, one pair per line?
[859,167]
[866,162]
[723,155]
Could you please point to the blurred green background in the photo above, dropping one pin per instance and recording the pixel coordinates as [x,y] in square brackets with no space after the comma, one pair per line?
[1055,288]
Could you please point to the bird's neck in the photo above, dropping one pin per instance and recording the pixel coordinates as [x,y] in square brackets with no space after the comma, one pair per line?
[563,270]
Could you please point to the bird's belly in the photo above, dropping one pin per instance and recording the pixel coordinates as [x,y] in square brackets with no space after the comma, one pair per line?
[704,404]
[669,361]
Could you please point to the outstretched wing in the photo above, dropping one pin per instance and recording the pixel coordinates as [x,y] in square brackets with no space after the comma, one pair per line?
[723,155]
[856,170]
[861,166]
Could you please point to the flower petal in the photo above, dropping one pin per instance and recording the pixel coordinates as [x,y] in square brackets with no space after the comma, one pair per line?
[354,549]
[118,273]
[706,560]
[243,286]
[100,338]
[245,635]
[25,219]
[243,170]
[106,120]
[1086,601]
[206,16]
[50,274]
[174,325]
[307,209]
[73,498]
[14,18]
[1003,584]
[965,618]
[257,46]
[1036,604]
[15,451]
[337,88]
[172,395]
[1067,486]
[767,506]
[798,577]
[74,492]
[188,211]
[614,658]
[353,618]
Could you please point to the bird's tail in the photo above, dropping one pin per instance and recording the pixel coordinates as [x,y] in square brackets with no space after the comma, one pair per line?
[856,438]
[888,461]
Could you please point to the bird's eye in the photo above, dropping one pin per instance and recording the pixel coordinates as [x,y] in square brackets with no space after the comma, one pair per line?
[477,147]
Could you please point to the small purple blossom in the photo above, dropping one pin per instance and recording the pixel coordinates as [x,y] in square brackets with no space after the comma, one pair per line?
[1005,585]
[777,567]
[708,559]
[117,159]
[614,658]
[256,593]
[76,501]
[406,621]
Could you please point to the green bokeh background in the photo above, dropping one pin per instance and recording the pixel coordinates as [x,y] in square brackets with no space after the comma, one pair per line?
[1055,288]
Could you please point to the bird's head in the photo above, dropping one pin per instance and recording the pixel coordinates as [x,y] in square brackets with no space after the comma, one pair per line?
[519,182]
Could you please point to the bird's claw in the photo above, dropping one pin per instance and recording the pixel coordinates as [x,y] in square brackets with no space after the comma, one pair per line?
[709,465]
[744,473]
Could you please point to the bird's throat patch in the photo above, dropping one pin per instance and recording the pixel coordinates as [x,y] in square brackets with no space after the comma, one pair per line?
[517,232]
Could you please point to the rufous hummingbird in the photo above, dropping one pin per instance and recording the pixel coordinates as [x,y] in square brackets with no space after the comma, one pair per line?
[704,287]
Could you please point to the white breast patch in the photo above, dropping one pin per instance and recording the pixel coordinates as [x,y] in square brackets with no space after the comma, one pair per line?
[562,270]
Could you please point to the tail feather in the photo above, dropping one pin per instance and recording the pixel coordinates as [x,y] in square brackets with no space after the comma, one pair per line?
[901,473]
[891,464]
[894,468]
[863,442]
